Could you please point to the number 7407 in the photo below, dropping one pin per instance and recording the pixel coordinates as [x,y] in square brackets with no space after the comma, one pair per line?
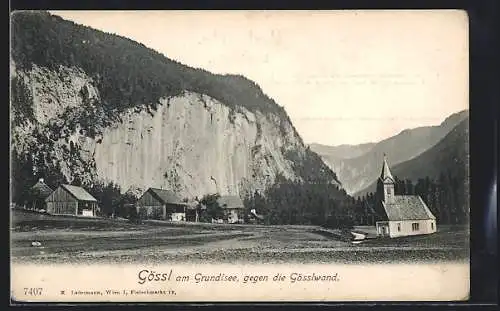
[33,291]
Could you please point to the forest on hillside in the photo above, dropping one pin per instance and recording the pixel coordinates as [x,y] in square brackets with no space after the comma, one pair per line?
[126,72]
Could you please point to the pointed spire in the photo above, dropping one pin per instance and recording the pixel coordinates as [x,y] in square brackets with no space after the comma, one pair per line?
[386,172]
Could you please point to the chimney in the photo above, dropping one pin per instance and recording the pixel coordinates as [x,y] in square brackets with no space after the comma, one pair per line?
[41,180]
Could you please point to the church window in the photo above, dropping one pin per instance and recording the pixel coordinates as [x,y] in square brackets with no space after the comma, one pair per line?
[415,226]
[399,227]
[432,225]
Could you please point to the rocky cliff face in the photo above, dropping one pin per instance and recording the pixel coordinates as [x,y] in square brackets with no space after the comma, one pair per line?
[191,143]
[194,145]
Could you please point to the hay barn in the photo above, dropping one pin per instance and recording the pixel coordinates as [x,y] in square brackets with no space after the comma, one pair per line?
[161,204]
[71,200]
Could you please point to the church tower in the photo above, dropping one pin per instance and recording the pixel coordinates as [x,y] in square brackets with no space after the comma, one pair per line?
[385,184]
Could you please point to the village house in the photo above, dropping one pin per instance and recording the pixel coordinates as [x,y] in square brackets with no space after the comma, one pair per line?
[401,215]
[161,204]
[233,208]
[71,200]
[36,195]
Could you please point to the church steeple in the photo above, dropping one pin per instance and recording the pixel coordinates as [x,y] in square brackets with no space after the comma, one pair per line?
[385,184]
[386,175]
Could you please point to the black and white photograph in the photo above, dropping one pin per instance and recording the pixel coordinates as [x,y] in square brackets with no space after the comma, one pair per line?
[186,146]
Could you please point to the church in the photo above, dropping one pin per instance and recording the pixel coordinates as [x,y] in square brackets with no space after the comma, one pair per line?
[400,215]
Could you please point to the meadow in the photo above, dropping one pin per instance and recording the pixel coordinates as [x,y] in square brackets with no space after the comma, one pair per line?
[95,240]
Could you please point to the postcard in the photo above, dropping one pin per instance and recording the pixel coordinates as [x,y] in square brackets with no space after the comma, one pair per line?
[203,156]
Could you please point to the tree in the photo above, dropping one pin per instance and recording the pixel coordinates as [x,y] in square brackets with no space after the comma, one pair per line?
[433,200]
[127,206]
[52,174]
[77,181]
[108,197]
[409,187]
[213,209]
[399,186]
[22,176]
[443,199]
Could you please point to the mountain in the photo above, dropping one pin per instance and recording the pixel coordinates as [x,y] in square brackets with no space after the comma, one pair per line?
[341,151]
[450,157]
[90,107]
[359,172]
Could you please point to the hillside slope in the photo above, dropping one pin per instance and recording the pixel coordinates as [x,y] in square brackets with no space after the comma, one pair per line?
[449,156]
[88,106]
[359,172]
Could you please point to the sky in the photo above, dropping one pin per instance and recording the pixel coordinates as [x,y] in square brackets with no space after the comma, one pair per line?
[344,77]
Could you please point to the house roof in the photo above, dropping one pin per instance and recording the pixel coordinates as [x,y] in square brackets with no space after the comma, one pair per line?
[386,175]
[79,193]
[166,196]
[407,207]
[230,201]
[40,190]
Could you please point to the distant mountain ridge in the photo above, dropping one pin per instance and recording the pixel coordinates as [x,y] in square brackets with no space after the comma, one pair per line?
[341,151]
[449,156]
[359,171]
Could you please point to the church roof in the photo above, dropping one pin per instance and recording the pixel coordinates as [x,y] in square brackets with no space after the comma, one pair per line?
[407,207]
[386,175]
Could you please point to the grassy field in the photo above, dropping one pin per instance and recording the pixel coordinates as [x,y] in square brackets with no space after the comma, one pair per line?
[70,239]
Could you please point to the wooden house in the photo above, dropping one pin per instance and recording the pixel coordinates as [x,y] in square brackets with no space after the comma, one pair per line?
[36,195]
[401,215]
[233,208]
[161,204]
[71,200]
